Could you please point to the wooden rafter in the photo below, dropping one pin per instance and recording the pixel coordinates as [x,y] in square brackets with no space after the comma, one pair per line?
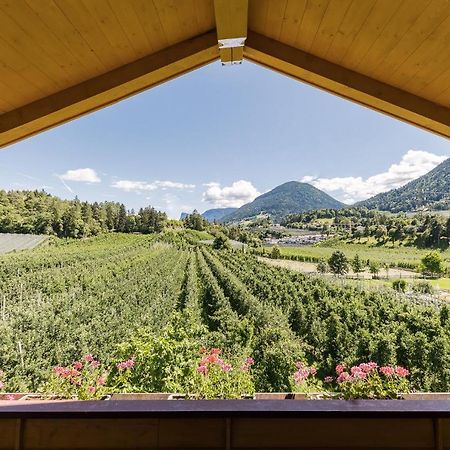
[108,88]
[231,23]
[348,84]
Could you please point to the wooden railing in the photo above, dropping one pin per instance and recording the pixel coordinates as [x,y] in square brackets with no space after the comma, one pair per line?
[226,424]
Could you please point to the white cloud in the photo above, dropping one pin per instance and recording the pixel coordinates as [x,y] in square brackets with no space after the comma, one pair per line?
[137,186]
[236,195]
[86,175]
[129,185]
[413,164]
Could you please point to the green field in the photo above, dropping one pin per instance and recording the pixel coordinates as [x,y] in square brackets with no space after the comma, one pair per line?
[156,299]
[402,256]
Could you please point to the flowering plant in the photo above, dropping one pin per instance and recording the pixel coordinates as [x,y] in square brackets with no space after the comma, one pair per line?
[217,378]
[305,378]
[369,381]
[83,380]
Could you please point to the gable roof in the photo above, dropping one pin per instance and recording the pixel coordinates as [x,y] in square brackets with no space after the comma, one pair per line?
[61,59]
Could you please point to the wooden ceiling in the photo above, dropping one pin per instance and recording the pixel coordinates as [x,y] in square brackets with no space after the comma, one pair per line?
[60,59]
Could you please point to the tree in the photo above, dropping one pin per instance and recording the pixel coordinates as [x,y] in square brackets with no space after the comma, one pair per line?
[275,253]
[221,242]
[194,221]
[357,265]
[374,268]
[432,264]
[322,266]
[338,263]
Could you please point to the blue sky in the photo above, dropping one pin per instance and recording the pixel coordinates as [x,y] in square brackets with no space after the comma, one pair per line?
[219,136]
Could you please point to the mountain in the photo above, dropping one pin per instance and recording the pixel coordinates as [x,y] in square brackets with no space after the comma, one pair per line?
[290,197]
[217,214]
[430,191]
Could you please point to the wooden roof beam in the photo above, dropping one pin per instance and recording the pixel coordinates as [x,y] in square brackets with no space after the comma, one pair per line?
[108,88]
[348,84]
[231,24]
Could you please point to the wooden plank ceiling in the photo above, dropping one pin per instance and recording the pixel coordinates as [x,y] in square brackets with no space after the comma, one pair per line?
[60,59]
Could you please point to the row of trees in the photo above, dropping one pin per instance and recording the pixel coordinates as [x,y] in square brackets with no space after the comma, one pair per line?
[422,230]
[431,265]
[37,212]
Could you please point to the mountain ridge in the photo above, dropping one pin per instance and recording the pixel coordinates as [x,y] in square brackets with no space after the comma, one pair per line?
[287,198]
[430,191]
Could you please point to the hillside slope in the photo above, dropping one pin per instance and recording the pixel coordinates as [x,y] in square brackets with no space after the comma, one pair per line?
[288,198]
[217,214]
[430,191]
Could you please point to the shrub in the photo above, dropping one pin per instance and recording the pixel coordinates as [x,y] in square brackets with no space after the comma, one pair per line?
[322,266]
[275,253]
[399,285]
[163,361]
[423,287]
[82,380]
[217,378]
[369,381]
[221,242]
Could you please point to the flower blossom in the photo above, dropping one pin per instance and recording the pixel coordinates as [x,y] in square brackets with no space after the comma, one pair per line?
[303,372]
[328,379]
[78,365]
[340,368]
[2,385]
[343,377]
[91,389]
[401,371]
[89,358]
[123,365]
[387,370]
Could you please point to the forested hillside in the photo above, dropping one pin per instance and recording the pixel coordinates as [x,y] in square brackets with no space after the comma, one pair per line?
[431,191]
[86,297]
[36,212]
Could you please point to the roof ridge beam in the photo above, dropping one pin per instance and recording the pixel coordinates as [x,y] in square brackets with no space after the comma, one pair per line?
[231,23]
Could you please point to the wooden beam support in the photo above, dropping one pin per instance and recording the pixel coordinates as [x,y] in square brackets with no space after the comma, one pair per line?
[108,88]
[231,24]
[348,84]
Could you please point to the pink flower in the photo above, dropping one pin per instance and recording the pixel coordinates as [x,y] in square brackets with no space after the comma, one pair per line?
[343,377]
[101,381]
[91,389]
[2,385]
[216,351]
[387,370]
[355,369]
[401,371]
[328,379]
[340,368]
[368,367]
[128,364]
[249,361]
[202,369]
[226,367]
[94,364]
[360,375]
[78,365]
[89,358]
